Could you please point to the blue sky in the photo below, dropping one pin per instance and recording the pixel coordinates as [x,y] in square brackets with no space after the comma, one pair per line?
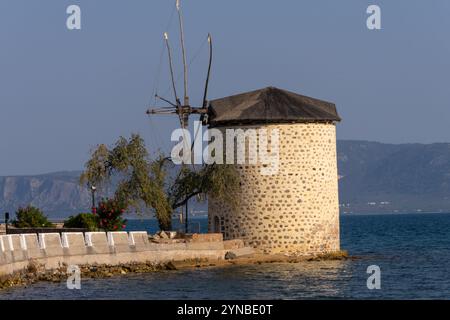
[62,92]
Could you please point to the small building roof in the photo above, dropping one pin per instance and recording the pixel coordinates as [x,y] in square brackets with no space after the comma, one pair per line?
[270,105]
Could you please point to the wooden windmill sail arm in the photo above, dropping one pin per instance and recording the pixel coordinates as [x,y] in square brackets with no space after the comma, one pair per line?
[169,53]
[183,49]
[199,110]
[177,110]
[205,95]
[166,100]
[162,111]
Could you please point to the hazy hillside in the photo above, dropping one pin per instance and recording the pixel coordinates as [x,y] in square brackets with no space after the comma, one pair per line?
[383,177]
[375,177]
[58,194]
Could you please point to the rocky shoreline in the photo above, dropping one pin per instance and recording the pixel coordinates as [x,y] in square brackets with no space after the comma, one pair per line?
[37,273]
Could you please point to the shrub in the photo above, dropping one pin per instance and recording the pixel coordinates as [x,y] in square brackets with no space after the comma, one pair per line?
[83,220]
[31,217]
[110,213]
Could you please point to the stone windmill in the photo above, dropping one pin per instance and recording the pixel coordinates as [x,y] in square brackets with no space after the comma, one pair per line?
[295,210]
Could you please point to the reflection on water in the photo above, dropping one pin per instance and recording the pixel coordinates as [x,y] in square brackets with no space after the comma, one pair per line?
[413,252]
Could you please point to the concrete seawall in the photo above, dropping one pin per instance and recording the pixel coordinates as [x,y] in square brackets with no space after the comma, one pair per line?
[112,248]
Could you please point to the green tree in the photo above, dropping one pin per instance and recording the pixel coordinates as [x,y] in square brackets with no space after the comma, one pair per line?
[31,217]
[145,183]
[83,220]
[140,181]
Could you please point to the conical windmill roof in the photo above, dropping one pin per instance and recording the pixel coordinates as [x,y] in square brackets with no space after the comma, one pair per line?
[270,105]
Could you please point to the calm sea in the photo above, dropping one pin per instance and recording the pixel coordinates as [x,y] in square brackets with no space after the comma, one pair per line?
[412,251]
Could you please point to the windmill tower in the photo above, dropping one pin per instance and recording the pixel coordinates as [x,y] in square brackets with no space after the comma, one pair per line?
[296,210]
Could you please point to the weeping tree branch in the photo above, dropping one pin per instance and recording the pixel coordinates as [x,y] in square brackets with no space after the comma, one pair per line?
[145,183]
[141,181]
[219,181]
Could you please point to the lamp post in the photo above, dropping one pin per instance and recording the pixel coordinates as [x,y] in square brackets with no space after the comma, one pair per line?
[6,221]
[94,208]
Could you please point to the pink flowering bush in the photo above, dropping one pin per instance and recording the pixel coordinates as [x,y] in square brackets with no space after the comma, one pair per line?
[109,213]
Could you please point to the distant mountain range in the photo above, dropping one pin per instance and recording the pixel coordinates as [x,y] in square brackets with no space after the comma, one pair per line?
[57,194]
[374,177]
[377,177]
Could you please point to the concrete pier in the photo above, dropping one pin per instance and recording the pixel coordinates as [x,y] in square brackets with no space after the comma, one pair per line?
[113,248]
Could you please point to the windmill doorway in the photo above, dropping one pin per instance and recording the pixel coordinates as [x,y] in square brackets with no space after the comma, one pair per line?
[216,224]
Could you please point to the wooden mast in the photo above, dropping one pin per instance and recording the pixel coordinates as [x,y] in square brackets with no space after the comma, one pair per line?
[183,110]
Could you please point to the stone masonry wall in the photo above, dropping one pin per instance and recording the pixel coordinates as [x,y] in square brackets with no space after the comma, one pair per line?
[294,211]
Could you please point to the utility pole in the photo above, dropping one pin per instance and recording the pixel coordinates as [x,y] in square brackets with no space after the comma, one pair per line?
[94,207]
[6,221]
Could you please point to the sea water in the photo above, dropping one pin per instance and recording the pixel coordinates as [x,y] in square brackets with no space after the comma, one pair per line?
[411,250]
